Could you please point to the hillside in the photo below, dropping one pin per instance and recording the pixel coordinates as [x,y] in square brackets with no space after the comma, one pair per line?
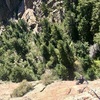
[49,42]
[50,39]
[59,90]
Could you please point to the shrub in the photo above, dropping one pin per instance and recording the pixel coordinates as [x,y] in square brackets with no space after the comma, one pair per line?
[78,66]
[62,71]
[96,67]
[48,77]
[20,73]
[91,73]
[23,88]
[4,73]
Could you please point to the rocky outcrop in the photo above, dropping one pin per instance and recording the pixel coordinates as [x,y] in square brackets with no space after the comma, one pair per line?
[59,90]
[29,17]
[55,8]
[93,50]
[25,4]
[31,10]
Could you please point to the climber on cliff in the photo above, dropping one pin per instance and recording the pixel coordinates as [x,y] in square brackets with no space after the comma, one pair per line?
[81,80]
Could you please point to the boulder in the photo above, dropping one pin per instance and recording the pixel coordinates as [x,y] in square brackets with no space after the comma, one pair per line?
[29,17]
[93,50]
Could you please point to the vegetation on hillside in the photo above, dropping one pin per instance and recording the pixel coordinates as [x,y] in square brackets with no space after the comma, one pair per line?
[65,50]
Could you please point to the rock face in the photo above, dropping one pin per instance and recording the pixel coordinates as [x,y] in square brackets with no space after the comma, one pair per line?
[3,10]
[7,8]
[59,90]
[94,49]
[31,11]
[12,4]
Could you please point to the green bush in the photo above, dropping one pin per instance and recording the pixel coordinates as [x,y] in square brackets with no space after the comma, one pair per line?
[91,73]
[20,73]
[14,49]
[62,71]
[4,73]
[96,67]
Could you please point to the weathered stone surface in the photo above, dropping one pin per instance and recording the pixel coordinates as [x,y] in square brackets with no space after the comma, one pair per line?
[59,90]
[29,17]
[9,7]
[93,50]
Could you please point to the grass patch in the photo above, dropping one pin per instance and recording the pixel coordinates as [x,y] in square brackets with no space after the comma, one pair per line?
[22,89]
